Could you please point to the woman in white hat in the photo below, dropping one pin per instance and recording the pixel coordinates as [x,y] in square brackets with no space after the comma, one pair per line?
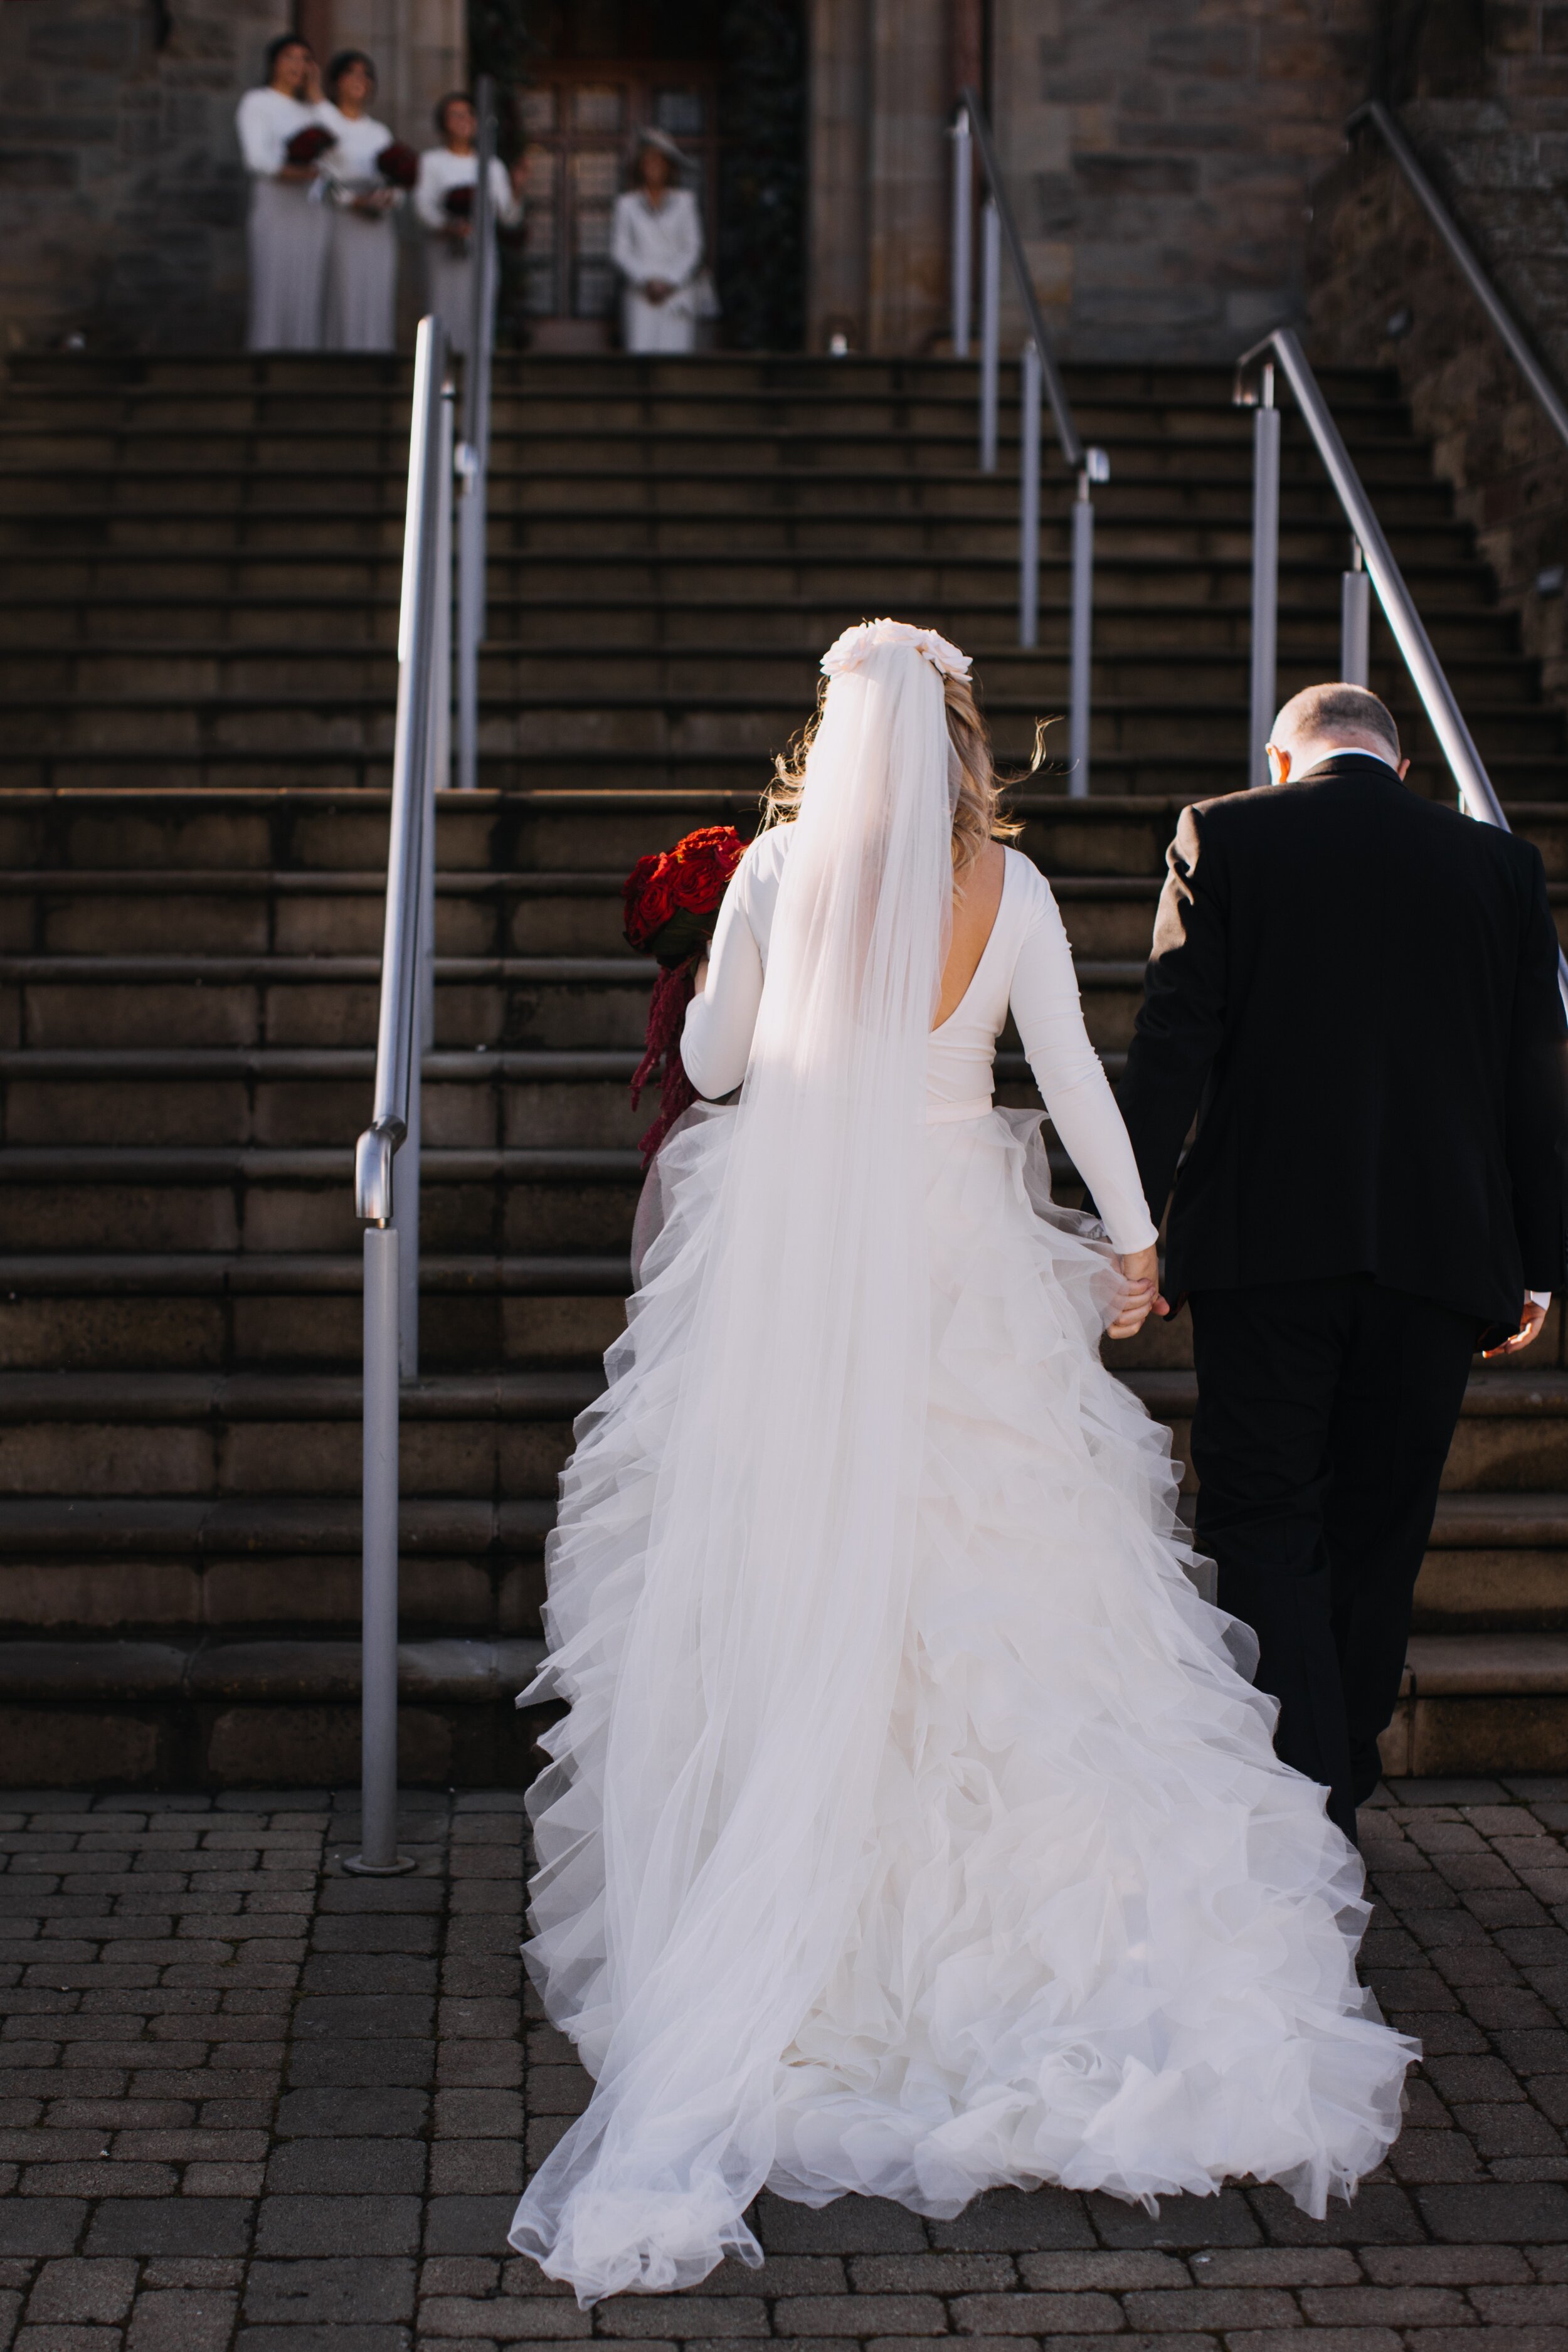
[657,245]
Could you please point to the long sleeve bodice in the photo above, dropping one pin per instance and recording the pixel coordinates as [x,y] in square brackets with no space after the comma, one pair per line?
[352,163]
[440,171]
[666,243]
[266,120]
[1027,963]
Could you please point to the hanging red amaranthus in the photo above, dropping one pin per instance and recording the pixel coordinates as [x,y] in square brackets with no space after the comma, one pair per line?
[672,902]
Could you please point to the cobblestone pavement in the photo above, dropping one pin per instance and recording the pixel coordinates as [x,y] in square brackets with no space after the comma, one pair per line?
[247,2095]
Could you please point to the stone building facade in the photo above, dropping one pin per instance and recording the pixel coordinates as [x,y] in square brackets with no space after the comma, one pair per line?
[1163,156]
[1484,101]
[121,196]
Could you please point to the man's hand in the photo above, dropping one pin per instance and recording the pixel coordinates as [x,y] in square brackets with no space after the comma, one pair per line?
[1532,1317]
[1140,1271]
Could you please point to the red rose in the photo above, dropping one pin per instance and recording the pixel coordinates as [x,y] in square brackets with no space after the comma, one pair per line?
[311,143]
[398,164]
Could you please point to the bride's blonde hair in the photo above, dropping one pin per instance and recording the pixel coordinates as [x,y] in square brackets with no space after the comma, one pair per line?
[977,816]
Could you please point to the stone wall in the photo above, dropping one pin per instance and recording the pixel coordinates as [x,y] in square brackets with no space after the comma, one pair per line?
[1161,155]
[121,196]
[1384,290]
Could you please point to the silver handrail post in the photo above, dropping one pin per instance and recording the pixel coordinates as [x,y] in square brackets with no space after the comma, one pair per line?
[378,1856]
[990,330]
[1264,575]
[1356,621]
[963,231]
[1095,468]
[1029,497]
[473,456]
[391,1320]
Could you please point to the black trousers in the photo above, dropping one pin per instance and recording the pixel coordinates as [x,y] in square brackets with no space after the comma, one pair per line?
[1325,1413]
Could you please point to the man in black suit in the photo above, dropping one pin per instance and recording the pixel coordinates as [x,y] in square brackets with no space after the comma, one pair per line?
[1355,993]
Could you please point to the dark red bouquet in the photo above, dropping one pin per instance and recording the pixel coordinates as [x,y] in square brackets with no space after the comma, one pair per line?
[309,145]
[398,164]
[672,902]
[458,204]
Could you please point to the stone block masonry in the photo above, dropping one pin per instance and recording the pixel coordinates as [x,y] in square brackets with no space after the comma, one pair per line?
[122,201]
[248,2101]
[121,197]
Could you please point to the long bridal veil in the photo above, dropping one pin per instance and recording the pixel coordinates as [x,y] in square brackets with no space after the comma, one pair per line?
[683,1935]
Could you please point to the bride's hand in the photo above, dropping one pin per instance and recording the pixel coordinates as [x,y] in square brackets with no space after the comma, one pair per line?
[1140,1270]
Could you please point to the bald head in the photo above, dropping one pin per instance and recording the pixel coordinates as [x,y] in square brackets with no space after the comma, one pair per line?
[1323,720]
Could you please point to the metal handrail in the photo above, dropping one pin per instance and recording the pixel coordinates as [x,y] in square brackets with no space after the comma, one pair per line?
[403,1034]
[1436,696]
[474,449]
[1469,264]
[999,226]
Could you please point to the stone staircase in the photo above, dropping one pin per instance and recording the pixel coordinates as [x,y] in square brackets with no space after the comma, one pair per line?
[196,690]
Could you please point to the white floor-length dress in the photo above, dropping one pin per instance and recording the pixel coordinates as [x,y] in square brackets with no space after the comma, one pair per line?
[914,1827]
[449,264]
[663,241]
[291,226]
[361,305]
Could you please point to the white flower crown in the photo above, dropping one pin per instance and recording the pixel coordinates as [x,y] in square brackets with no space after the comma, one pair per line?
[850,650]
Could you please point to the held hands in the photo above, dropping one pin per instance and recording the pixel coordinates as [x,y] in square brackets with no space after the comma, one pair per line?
[1532,1317]
[1140,1271]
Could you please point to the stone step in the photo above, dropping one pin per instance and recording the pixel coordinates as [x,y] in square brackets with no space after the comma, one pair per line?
[103,488]
[543,725]
[219,624]
[839,534]
[603,675]
[284,1712]
[847,584]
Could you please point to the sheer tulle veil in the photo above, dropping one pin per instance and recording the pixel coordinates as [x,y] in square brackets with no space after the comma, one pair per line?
[753,1693]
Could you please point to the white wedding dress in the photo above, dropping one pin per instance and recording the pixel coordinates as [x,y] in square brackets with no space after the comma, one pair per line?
[912,1829]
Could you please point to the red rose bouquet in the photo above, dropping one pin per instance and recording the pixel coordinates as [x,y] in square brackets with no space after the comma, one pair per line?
[309,145]
[458,204]
[672,902]
[398,164]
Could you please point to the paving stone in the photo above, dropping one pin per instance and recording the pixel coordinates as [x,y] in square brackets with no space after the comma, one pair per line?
[346,2114]
[329,2225]
[337,2167]
[511,2320]
[332,2292]
[1518,2213]
[188,2319]
[83,2290]
[323,2339]
[468,2225]
[171,2225]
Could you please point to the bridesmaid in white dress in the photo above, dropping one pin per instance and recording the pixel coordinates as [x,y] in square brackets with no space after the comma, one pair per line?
[290,228]
[448,246]
[657,245]
[914,1827]
[362,260]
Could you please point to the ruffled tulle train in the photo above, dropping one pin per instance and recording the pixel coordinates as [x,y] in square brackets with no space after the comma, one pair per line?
[1098,1934]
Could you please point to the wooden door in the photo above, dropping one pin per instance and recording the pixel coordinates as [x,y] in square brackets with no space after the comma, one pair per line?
[580,123]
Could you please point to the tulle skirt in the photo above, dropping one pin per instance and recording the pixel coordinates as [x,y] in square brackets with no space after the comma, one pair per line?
[1099,1935]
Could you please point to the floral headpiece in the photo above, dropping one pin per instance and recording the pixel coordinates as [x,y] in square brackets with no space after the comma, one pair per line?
[850,650]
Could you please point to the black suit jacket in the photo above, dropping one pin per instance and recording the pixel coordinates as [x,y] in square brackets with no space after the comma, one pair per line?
[1355,991]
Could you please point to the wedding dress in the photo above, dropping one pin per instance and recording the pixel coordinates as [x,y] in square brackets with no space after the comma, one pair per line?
[914,1827]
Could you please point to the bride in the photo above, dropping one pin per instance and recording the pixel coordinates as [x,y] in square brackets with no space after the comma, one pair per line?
[914,1827]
